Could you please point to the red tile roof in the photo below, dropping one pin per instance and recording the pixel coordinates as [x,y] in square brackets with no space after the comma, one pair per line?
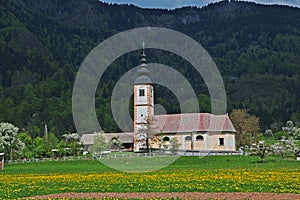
[188,122]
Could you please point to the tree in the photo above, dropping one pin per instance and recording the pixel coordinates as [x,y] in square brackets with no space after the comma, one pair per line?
[115,142]
[246,125]
[268,133]
[261,149]
[281,134]
[284,147]
[204,103]
[290,125]
[72,142]
[40,147]
[27,140]
[71,137]
[146,132]
[99,145]
[292,130]
[9,142]
[52,140]
[61,148]
[174,144]
[296,134]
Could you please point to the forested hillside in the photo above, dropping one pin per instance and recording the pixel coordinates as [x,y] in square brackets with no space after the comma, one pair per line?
[43,42]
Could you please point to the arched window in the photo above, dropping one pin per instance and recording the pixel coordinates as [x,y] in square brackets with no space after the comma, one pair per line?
[166,139]
[188,138]
[199,138]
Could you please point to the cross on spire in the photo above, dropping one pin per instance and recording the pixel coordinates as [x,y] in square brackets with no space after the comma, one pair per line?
[143,45]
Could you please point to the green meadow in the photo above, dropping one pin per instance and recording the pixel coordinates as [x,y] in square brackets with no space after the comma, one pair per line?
[186,174]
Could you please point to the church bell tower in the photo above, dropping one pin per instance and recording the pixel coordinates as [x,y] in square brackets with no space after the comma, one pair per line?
[143,102]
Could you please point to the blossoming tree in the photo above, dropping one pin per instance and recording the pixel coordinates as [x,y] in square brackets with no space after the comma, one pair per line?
[261,149]
[9,142]
[284,147]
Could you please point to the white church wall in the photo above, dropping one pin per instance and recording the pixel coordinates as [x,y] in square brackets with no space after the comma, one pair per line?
[213,142]
[210,141]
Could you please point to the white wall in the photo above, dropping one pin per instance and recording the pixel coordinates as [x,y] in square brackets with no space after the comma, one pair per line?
[142,114]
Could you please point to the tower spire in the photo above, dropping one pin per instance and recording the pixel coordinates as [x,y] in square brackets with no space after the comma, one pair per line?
[143,72]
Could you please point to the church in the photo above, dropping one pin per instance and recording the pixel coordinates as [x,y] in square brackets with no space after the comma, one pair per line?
[193,131]
[203,132]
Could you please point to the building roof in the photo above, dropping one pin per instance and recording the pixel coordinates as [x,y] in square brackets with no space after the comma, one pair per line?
[189,122]
[88,139]
[297,154]
[143,72]
[175,123]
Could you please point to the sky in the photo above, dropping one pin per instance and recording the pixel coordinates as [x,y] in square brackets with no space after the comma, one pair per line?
[171,4]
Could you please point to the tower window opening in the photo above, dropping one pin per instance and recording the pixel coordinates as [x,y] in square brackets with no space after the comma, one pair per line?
[142,92]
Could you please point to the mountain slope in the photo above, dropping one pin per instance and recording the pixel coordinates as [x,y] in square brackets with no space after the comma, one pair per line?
[42,44]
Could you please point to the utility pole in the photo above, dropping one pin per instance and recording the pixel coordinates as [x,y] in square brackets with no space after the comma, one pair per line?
[250,142]
[160,146]
[46,133]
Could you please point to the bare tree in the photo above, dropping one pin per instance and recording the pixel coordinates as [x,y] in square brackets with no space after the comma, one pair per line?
[146,132]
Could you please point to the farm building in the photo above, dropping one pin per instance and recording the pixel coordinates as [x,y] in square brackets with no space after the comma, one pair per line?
[298,156]
[126,139]
[1,161]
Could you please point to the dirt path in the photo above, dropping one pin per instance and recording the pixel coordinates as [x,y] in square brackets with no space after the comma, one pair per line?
[183,195]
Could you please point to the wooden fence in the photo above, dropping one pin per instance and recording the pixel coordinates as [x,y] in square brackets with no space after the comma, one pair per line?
[126,155]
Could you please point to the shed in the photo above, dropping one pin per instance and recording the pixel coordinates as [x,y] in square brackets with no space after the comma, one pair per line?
[298,156]
[126,138]
[2,161]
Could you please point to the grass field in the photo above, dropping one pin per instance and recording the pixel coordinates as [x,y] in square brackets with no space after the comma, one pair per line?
[201,174]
